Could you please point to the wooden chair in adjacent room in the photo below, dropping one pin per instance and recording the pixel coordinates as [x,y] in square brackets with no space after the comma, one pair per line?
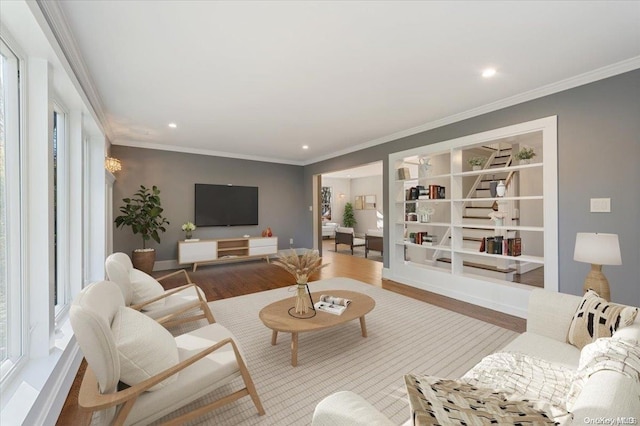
[347,236]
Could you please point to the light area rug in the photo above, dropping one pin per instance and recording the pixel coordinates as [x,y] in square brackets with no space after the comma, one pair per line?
[404,336]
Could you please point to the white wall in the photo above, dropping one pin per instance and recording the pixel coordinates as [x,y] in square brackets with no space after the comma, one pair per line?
[338,186]
[371,185]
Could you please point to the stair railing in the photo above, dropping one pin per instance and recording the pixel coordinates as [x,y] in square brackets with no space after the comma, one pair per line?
[447,234]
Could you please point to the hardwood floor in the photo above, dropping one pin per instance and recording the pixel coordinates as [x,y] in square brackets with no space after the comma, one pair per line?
[234,279]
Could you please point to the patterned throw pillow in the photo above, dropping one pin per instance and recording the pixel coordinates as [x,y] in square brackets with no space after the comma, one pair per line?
[435,401]
[595,318]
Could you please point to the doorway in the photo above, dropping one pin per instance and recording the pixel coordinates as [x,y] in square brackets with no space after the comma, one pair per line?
[360,187]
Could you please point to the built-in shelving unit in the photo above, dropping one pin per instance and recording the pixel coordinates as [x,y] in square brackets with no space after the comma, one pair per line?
[441,224]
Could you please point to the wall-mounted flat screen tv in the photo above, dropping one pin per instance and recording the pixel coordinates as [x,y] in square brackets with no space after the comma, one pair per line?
[226,205]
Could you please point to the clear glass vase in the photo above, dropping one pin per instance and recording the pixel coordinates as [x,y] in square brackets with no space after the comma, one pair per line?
[302,299]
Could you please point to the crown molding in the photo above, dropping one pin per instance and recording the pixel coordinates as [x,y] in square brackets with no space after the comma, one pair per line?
[569,83]
[200,151]
[57,22]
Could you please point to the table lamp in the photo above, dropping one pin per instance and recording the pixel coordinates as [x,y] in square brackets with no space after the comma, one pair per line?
[597,249]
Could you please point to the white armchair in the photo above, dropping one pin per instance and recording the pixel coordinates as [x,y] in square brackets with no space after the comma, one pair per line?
[164,373]
[143,292]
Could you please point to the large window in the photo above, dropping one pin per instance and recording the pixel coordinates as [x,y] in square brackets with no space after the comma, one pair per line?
[60,210]
[11,301]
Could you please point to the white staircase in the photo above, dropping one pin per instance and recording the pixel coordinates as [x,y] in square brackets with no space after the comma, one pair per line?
[477,213]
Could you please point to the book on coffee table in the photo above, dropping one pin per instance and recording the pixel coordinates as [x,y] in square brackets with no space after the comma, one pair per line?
[331,304]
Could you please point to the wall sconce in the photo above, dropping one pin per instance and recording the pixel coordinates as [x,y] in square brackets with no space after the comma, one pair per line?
[597,249]
[112,164]
[341,195]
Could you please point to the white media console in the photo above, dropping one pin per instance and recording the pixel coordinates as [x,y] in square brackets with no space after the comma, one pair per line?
[226,249]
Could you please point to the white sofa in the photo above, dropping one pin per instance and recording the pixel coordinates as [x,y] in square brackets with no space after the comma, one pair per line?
[329,229]
[605,395]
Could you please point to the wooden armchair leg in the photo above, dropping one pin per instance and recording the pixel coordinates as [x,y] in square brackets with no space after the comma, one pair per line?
[248,381]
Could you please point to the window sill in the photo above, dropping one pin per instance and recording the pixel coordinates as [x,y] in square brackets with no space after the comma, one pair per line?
[36,394]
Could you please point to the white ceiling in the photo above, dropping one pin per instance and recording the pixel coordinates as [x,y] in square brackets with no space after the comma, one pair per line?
[367,170]
[261,79]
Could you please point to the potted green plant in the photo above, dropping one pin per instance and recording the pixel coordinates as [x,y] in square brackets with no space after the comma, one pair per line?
[143,213]
[525,155]
[476,162]
[348,218]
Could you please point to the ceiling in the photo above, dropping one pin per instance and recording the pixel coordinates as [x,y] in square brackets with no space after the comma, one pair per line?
[261,79]
[367,170]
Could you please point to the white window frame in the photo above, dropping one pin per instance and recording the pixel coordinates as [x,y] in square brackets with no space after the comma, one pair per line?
[62,224]
[16,296]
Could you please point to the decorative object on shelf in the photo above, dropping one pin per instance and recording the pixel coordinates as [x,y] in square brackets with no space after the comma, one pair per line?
[597,249]
[112,164]
[425,214]
[498,217]
[525,155]
[143,213]
[403,173]
[493,185]
[301,267]
[348,218]
[501,189]
[476,162]
[188,229]
[267,232]
[425,166]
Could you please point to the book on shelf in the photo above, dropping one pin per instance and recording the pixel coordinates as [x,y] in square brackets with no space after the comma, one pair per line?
[437,192]
[500,245]
[424,239]
[332,304]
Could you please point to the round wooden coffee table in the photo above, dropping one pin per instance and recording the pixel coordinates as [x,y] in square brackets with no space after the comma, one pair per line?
[276,317]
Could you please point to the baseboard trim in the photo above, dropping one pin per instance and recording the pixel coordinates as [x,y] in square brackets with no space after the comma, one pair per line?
[516,308]
[164,265]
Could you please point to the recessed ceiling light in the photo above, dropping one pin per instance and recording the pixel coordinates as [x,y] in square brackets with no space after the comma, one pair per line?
[489,72]
[305,146]
[173,125]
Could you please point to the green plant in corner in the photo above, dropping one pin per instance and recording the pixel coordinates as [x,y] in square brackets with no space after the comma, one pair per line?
[348,218]
[525,154]
[143,213]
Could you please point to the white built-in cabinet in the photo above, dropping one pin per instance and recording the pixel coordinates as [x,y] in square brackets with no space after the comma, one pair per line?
[440,213]
[198,252]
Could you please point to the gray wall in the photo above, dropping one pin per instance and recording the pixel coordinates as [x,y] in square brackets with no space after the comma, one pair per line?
[281,195]
[598,152]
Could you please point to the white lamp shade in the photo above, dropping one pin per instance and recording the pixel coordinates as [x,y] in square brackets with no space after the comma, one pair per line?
[598,249]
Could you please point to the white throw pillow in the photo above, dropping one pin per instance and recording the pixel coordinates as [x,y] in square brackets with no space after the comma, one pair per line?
[145,287]
[145,348]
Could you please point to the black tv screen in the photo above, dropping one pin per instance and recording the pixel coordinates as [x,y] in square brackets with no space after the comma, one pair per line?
[226,205]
